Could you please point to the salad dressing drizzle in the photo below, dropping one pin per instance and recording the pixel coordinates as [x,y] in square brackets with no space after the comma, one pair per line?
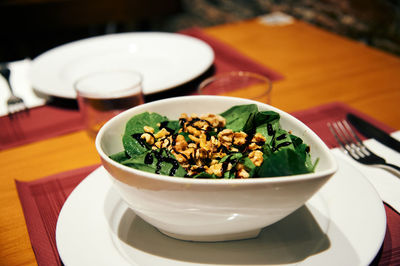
[149,159]
[270,130]
[281,137]
[141,141]
[283,144]
[164,125]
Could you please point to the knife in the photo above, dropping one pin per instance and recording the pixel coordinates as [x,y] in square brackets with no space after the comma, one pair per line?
[371,131]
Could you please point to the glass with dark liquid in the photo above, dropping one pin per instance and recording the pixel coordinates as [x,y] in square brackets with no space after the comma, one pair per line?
[102,95]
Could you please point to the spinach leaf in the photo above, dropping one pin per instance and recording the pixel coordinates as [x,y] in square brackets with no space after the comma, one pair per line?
[172,126]
[269,126]
[237,116]
[284,162]
[282,140]
[159,164]
[132,146]
[264,117]
[205,175]
[135,126]
[186,136]
[119,156]
[304,150]
[233,159]
[249,166]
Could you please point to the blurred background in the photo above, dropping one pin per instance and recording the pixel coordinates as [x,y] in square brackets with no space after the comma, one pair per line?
[31,27]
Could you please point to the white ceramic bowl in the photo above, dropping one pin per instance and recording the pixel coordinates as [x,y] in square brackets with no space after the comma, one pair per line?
[209,209]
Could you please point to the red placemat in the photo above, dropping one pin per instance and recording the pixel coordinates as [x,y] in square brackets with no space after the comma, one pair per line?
[41,202]
[42,199]
[62,116]
[39,123]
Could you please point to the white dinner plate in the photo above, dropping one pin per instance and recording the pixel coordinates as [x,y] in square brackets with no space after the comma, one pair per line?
[343,224]
[166,60]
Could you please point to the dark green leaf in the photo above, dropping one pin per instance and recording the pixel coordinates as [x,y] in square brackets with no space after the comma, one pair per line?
[205,175]
[237,116]
[119,156]
[139,162]
[135,126]
[283,163]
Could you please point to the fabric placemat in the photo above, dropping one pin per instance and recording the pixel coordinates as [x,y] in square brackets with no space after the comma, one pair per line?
[41,202]
[61,116]
[39,123]
[42,199]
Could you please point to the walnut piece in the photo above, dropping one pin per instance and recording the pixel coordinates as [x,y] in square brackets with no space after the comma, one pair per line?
[215,169]
[256,157]
[148,138]
[242,173]
[148,129]
[226,137]
[161,134]
[239,138]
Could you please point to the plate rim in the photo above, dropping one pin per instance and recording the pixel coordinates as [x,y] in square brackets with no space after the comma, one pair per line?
[43,88]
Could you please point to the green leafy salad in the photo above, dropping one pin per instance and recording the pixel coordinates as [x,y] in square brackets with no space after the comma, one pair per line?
[241,142]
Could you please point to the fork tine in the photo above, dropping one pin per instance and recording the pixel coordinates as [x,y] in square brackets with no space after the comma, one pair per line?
[344,140]
[351,139]
[362,149]
[349,129]
[351,144]
[16,105]
[335,135]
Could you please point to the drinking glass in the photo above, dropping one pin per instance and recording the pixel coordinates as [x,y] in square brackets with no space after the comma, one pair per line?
[102,95]
[238,84]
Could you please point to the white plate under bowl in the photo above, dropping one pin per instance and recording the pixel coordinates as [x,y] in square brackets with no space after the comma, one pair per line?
[166,60]
[343,224]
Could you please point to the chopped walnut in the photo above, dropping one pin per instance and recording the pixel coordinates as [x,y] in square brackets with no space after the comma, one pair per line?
[163,143]
[201,124]
[194,139]
[161,134]
[233,149]
[192,145]
[258,138]
[148,138]
[214,120]
[242,173]
[148,129]
[254,146]
[215,169]
[256,157]
[180,143]
[194,131]
[195,169]
[201,154]
[225,136]
[179,157]
[239,138]
[189,152]
[184,116]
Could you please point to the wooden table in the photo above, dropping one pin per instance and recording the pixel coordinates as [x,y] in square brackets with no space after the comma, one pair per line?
[319,67]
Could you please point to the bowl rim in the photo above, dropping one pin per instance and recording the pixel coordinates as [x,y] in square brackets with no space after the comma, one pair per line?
[219,182]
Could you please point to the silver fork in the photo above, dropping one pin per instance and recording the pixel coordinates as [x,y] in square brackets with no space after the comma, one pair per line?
[352,145]
[14,103]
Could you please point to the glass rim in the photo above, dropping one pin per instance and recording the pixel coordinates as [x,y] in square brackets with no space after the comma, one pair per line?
[240,73]
[119,93]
